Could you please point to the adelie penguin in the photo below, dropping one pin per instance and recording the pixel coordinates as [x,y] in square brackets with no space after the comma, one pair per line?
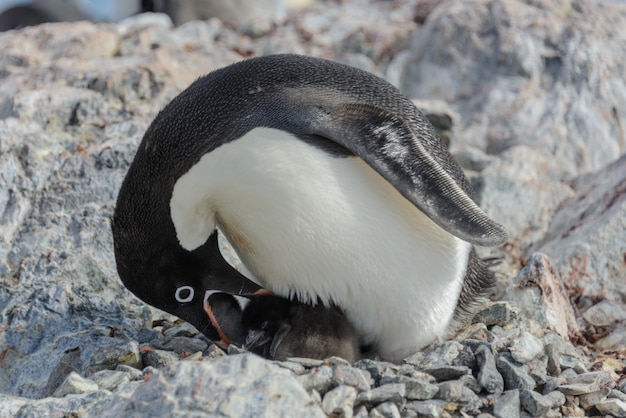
[330,185]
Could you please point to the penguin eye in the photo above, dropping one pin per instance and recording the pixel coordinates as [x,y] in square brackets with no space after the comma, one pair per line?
[265,324]
[184,294]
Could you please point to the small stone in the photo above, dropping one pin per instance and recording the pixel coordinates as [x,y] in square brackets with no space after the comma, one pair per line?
[515,375]
[470,382]
[450,391]
[567,355]
[158,358]
[605,312]
[446,353]
[295,368]
[132,372]
[472,403]
[537,369]
[361,412]
[75,384]
[192,357]
[590,399]
[614,341]
[108,357]
[110,379]
[503,337]
[477,332]
[551,384]
[385,410]
[309,363]
[319,379]
[539,405]
[572,408]
[498,313]
[525,347]
[181,345]
[149,371]
[587,383]
[183,329]
[613,407]
[337,361]
[488,376]
[232,349]
[339,402]
[393,392]
[214,351]
[507,405]
[618,394]
[415,389]
[145,335]
[553,367]
[444,372]
[351,376]
[432,408]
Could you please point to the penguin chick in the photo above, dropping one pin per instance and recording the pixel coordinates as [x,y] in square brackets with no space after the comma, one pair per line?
[280,328]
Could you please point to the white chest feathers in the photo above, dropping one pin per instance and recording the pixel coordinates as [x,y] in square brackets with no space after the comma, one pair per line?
[316,226]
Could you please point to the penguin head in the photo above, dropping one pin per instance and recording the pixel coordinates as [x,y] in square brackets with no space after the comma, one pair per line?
[263,317]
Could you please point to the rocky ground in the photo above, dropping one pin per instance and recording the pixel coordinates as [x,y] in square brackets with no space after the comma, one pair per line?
[533,98]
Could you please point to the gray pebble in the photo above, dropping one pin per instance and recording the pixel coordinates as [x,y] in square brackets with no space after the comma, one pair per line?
[295,368]
[539,405]
[351,376]
[385,410]
[618,394]
[444,372]
[339,402]
[75,384]
[525,347]
[108,357]
[498,313]
[133,373]
[551,384]
[431,408]
[472,403]
[553,367]
[337,361]
[158,358]
[515,375]
[416,389]
[537,368]
[613,407]
[181,345]
[110,379]
[393,392]
[183,329]
[588,400]
[450,391]
[507,405]
[470,382]
[145,335]
[231,350]
[488,376]
[587,383]
[306,362]
[148,371]
[319,379]
[361,412]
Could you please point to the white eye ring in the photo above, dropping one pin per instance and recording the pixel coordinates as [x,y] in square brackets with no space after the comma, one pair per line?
[179,298]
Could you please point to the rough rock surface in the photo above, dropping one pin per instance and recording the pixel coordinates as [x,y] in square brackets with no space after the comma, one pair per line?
[535,109]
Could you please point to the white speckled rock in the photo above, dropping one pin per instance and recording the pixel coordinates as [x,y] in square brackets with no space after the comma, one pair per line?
[238,386]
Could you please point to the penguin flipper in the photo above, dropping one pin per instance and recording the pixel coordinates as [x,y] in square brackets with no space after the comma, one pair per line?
[395,151]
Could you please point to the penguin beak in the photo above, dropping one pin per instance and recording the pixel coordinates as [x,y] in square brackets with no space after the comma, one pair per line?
[224,312]
[256,338]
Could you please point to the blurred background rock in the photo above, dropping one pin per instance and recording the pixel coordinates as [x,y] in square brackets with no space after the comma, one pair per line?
[19,13]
